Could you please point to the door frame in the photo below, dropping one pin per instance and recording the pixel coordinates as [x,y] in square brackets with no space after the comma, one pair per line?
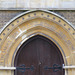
[33,23]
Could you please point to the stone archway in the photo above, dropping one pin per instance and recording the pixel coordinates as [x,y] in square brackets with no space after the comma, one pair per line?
[32,23]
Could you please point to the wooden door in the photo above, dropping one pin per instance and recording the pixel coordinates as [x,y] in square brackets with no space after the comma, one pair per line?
[38,53]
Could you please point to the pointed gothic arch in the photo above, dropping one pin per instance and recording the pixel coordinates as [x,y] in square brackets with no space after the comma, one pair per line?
[32,23]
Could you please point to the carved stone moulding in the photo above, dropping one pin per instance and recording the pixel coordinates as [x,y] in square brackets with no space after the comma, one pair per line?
[37,22]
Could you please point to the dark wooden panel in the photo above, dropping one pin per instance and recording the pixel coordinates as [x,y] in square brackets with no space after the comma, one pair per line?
[39,52]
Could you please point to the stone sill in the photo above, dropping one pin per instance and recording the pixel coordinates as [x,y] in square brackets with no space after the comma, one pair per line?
[37,8]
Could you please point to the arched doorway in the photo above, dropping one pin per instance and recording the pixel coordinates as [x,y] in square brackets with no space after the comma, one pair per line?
[32,23]
[39,54]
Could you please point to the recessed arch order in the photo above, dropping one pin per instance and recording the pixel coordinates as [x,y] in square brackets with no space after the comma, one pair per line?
[37,22]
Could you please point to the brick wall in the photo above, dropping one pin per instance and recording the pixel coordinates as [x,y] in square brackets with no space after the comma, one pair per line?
[68,15]
[6,16]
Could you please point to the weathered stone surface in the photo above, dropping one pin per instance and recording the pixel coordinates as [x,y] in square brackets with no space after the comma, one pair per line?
[11,4]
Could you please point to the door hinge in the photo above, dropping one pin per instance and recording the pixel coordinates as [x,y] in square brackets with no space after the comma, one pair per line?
[23,68]
[55,67]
